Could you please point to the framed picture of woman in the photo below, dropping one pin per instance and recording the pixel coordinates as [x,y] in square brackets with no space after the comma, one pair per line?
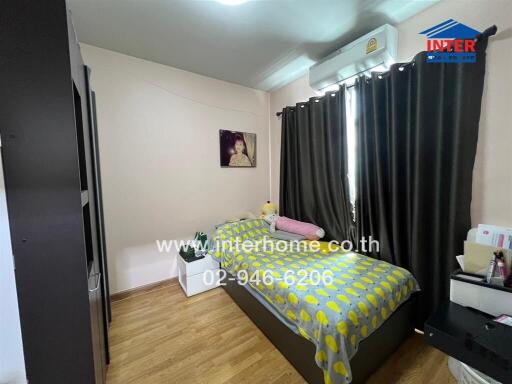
[237,149]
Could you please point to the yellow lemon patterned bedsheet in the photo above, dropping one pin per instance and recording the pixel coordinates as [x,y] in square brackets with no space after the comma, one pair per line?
[334,300]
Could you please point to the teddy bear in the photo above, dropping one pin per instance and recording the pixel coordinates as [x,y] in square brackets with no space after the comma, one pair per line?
[267,209]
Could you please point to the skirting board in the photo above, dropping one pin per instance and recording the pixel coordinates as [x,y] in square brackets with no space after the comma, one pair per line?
[143,289]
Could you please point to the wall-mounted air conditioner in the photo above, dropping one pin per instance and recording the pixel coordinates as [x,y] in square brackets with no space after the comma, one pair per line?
[376,48]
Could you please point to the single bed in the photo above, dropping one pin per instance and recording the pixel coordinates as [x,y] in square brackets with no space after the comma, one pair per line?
[332,332]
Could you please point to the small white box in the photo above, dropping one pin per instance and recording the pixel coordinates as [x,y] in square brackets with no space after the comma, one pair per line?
[198,276]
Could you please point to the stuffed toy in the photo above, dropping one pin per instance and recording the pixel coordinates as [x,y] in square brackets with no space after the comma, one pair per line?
[309,231]
[267,209]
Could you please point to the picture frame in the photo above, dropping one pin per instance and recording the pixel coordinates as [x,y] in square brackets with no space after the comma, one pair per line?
[237,149]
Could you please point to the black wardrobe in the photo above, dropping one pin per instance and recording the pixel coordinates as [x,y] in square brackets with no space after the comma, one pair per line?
[53,187]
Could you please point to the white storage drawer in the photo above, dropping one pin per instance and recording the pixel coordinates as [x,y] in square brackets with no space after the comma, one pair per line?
[195,284]
[192,275]
[490,300]
[198,266]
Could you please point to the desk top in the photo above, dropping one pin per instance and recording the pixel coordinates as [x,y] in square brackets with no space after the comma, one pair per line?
[472,337]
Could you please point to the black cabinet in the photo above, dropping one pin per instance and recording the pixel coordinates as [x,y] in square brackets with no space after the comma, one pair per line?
[473,338]
[53,187]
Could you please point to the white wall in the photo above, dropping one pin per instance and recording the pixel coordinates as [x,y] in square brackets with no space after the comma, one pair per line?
[12,363]
[159,147]
[492,182]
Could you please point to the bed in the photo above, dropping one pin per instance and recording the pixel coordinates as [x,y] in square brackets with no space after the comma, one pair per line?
[336,316]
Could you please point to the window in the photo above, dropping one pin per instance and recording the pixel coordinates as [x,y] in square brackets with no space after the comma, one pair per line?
[350,111]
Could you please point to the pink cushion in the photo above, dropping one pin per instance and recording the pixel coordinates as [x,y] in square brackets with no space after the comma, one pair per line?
[309,231]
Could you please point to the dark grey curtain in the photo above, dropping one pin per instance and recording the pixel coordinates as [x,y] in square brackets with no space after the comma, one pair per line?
[314,181]
[417,131]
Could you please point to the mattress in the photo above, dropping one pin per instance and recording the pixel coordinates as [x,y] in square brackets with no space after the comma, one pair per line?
[334,299]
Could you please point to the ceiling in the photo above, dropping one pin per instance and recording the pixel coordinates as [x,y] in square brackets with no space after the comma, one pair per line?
[262,44]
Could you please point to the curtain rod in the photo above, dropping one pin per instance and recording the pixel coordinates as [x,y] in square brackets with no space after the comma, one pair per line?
[346,87]
[491,31]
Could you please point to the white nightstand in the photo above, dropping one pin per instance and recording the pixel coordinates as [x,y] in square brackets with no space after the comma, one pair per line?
[192,275]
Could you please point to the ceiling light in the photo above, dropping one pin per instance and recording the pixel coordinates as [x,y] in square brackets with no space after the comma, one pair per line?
[231,2]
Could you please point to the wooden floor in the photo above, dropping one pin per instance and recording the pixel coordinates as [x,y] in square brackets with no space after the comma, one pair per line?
[162,337]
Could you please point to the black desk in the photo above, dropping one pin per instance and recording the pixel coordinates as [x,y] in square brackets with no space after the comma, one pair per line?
[473,338]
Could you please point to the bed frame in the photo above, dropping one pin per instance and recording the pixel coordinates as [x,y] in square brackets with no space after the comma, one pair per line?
[372,351]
